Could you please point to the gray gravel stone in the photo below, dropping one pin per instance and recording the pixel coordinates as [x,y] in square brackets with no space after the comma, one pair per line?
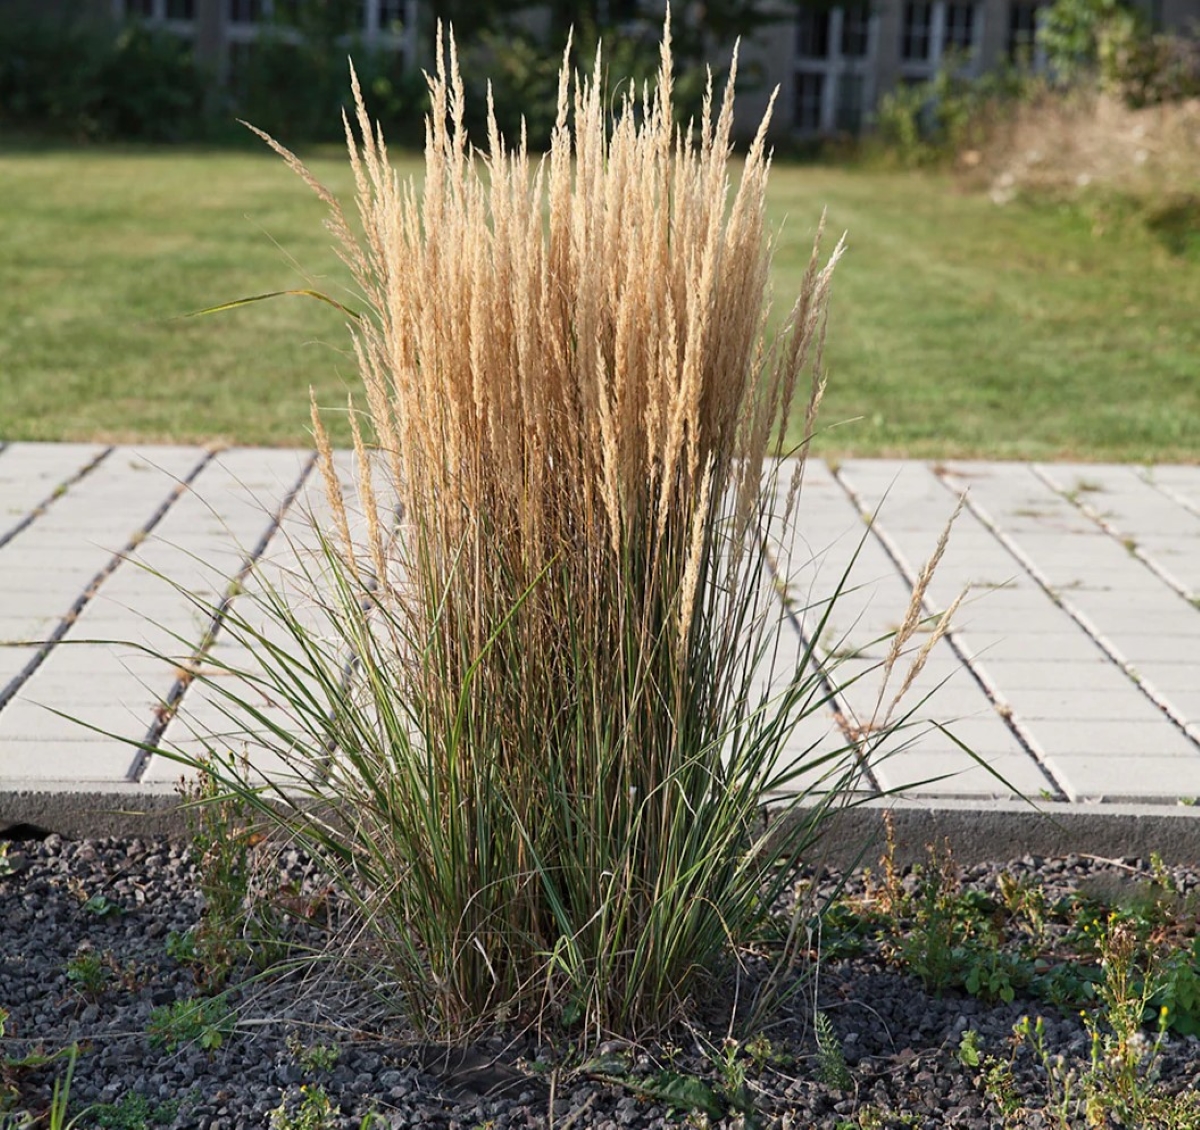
[900,1042]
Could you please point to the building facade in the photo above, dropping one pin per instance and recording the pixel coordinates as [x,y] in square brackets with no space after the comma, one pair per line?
[832,65]
[224,31]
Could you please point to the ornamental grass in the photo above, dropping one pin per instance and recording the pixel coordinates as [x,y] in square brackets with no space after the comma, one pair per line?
[535,728]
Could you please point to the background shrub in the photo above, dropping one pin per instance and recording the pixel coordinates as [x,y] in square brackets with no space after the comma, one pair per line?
[98,81]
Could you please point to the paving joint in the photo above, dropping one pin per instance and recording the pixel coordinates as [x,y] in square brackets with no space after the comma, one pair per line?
[60,491]
[93,587]
[953,636]
[1080,617]
[188,671]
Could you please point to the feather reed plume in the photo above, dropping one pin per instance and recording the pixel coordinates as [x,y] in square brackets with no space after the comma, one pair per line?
[565,368]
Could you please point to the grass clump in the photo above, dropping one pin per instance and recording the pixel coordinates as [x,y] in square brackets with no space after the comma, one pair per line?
[532,734]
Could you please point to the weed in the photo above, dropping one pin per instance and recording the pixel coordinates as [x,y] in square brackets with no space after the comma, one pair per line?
[731,1071]
[1178,989]
[90,972]
[1118,1084]
[235,925]
[206,1021]
[831,1063]
[102,907]
[313,1057]
[134,1112]
[763,1054]
[314,1112]
[872,1117]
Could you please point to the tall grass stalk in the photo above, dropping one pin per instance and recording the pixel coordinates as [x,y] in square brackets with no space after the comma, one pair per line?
[543,778]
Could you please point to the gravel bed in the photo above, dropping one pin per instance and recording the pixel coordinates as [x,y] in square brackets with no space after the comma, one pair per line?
[899,1042]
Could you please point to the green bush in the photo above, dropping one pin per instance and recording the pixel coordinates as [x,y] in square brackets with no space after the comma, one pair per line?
[292,81]
[99,81]
[931,122]
[1147,70]
[1111,40]
[1072,34]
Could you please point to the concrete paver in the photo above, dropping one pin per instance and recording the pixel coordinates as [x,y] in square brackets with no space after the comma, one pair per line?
[1072,668]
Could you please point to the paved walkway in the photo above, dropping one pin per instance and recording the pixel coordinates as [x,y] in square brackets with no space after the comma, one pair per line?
[1073,668]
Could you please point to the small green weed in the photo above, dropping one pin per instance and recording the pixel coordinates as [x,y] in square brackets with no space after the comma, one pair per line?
[763,1054]
[90,972]
[1118,1084]
[102,907]
[314,1112]
[313,1057]
[238,922]
[206,1021]
[831,1062]
[134,1112]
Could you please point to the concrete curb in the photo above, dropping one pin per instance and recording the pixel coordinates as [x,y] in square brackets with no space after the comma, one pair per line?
[977,830]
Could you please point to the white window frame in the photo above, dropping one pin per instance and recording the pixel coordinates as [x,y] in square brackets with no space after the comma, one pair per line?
[1037,59]
[925,69]
[834,65]
[405,43]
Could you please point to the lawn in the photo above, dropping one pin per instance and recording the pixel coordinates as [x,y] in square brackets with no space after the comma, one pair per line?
[958,327]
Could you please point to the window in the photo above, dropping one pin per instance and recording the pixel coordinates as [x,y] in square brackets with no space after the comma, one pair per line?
[1022,32]
[834,80]
[245,11]
[812,33]
[856,27]
[391,13]
[178,12]
[385,17]
[960,28]
[918,23]
[810,95]
[850,102]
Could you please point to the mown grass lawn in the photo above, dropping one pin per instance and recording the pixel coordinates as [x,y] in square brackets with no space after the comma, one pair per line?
[958,327]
